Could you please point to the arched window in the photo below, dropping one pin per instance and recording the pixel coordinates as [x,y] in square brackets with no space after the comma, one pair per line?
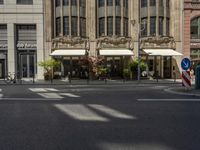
[195,28]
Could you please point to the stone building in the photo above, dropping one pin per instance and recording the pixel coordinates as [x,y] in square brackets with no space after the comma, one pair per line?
[115,30]
[192,30]
[21,38]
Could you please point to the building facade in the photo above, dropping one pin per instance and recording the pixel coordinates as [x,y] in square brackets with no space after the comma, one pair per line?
[192,31]
[116,30]
[21,38]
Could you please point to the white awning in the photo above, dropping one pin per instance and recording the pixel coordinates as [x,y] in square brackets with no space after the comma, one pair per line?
[68,52]
[116,52]
[162,52]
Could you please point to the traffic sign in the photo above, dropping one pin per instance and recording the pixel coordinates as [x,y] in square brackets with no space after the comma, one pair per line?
[186,79]
[185,64]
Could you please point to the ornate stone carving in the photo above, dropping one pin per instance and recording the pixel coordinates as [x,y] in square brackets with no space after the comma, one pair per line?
[112,42]
[70,42]
[158,42]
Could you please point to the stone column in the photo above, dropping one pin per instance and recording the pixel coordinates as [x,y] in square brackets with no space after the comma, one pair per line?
[114,18]
[12,61]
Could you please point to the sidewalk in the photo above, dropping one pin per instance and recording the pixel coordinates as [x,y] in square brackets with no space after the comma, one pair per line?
[92,82]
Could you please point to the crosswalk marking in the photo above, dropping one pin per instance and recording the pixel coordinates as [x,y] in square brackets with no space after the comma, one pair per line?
[50,95]
[170,100]
[43,89]
[69,94]
[80,112]
[111,112]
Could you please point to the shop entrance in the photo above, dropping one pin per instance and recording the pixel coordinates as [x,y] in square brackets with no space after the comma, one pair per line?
[2,68]
[115,66]
[167,60]
[27,65]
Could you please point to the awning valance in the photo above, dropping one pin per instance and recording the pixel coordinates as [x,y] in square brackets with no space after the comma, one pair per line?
[162,52]
[116,52]
[68,52]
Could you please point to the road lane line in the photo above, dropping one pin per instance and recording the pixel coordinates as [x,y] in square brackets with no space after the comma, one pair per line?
[169,100]
[50,95]
[69,95]
[27,99]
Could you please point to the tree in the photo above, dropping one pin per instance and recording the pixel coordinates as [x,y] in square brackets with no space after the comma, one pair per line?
[48,66]
[133,67]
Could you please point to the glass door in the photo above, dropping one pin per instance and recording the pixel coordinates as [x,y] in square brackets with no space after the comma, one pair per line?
[2,68]
[167,66]
[27,65]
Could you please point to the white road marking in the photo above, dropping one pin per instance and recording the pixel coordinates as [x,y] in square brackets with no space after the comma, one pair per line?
[0,90]
[80,112]
[111,112]
[169,100]
[50,95]
[43,89]
[69,94]
[1,95]
[27,99]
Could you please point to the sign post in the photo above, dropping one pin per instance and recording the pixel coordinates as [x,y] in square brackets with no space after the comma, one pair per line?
[186,78]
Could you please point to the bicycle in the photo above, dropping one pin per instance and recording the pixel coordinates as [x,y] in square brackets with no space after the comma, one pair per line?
[10,78]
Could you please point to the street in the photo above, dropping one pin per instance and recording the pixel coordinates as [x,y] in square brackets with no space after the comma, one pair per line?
[98,117]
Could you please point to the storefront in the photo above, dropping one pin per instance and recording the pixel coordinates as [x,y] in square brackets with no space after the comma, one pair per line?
[3,50]
[71,63]
[26,48]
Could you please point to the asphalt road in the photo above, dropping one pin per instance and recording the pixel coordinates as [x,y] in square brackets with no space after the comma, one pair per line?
[97,118]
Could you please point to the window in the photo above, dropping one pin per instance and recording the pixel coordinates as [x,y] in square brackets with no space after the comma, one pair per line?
[26,32]
[160,25]
[194,29]
[101,3]
[66,25]
[74,2]
[125,3]
[65,2]
[83,27]
[58,26]
[25,2]
[1,1]
[74,26]
[82,3]
[161,3]
[118,26]
[125,27]
[101,26]
[167,27]
[57,3]
[110,26]
[152,26]
[143,27]
[117,2]
[152,2]
[109,2]
[167,3]
[143,3]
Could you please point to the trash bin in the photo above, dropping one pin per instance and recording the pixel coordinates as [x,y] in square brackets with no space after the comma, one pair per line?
[197,77]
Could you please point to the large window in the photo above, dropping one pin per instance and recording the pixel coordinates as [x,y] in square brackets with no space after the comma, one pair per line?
[143,27]
[83,27]
[101,3]
[25,2]
[160,25]
[118,26]
[65,2]
[1,1]
[143,3]
[110,26]
[66,26]
[117,2]
[74,26]
[195,28]
[57,2]
[74,2]
[167,27]
[152,2]
[152,26]
[109,2]
[58,26]
[102,26]
[161,2]
[125,27]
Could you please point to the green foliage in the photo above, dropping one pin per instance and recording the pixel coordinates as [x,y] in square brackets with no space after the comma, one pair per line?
[48,66]
[126,72]
[133,66]
[103,71]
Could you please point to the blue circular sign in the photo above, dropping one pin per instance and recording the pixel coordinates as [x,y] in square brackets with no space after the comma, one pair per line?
[185,63]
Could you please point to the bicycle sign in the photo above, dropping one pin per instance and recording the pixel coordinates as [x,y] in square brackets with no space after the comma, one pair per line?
[185,64]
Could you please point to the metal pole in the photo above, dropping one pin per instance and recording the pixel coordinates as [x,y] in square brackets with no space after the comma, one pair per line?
[138,41]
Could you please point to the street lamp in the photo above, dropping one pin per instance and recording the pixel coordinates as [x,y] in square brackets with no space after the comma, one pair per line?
[139,30]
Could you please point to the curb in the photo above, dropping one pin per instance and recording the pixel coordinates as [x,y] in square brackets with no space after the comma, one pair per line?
[173,91]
